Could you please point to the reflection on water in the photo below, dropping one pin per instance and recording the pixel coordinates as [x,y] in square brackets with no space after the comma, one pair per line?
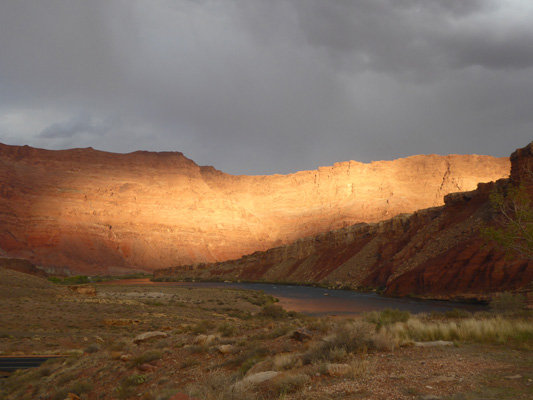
[320,301]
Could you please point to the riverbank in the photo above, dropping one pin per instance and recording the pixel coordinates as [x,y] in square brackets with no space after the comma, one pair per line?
[322,301]
[238,344]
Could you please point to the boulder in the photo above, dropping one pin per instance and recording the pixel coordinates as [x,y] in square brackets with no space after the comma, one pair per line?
[225,349]
[148,336]
[205,340]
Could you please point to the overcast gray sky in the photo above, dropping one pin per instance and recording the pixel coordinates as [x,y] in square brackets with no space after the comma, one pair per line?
[268,86]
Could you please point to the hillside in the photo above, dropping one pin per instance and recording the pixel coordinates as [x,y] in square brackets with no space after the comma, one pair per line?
[435,252]
[96,212]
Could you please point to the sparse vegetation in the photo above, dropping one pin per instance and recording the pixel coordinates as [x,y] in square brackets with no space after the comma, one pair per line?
[149,356]
[500,341]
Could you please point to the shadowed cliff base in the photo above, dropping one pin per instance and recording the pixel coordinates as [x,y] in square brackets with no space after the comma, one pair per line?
[98,213]
[434,253]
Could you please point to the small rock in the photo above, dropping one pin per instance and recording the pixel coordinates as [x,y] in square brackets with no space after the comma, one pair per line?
[83,289]
[225,348]
[146,368]
[514,377]
[72,396]
[99,339]
[125,357]
[204,340]
[147,336]
[301,335]
[338,369]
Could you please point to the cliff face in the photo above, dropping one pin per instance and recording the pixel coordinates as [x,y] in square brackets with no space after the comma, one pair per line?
[98,212]
[436,252]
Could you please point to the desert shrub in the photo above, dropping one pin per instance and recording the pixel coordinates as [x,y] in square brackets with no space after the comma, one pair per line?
[20,379]
[351,337]
[272,311]
[387,317]
[284,362]
[202,326]
[65,378]
[189,362]
[286,383]
[259,298]
[118,346]
[227,329]
[508,303]
[150,355]
[128,384]
[92,348]
[217,386]
[78,388]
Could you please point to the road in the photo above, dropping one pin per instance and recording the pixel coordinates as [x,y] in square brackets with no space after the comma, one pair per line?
[11,364]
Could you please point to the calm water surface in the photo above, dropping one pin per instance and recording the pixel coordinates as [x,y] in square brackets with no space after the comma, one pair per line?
[320,301]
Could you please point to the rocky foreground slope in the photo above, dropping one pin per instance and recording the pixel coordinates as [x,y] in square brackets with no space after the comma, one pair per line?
[97,212]
[436,252]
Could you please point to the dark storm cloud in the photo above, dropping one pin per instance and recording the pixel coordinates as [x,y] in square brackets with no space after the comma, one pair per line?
[78,124]
[268,86]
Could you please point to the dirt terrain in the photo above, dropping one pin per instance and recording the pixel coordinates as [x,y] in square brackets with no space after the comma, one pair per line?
[219,344]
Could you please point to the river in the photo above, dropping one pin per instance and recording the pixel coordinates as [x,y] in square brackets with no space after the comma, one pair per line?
[320,301]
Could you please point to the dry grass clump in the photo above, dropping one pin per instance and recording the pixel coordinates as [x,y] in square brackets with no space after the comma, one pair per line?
[217,386]
[495,330]
[387,317]
[285,384]
[349,337]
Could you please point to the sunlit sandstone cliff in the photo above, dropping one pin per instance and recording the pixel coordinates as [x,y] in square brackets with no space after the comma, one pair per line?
[435,252]
[98,212]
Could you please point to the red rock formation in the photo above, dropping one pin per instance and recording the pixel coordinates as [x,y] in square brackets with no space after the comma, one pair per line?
[436,252]
[98,212]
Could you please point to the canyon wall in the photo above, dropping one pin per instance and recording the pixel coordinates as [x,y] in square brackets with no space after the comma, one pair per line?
[97,212]
[437,252]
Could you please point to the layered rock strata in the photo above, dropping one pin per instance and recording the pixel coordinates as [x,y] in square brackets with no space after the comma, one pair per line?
[97,212]
[436,252]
